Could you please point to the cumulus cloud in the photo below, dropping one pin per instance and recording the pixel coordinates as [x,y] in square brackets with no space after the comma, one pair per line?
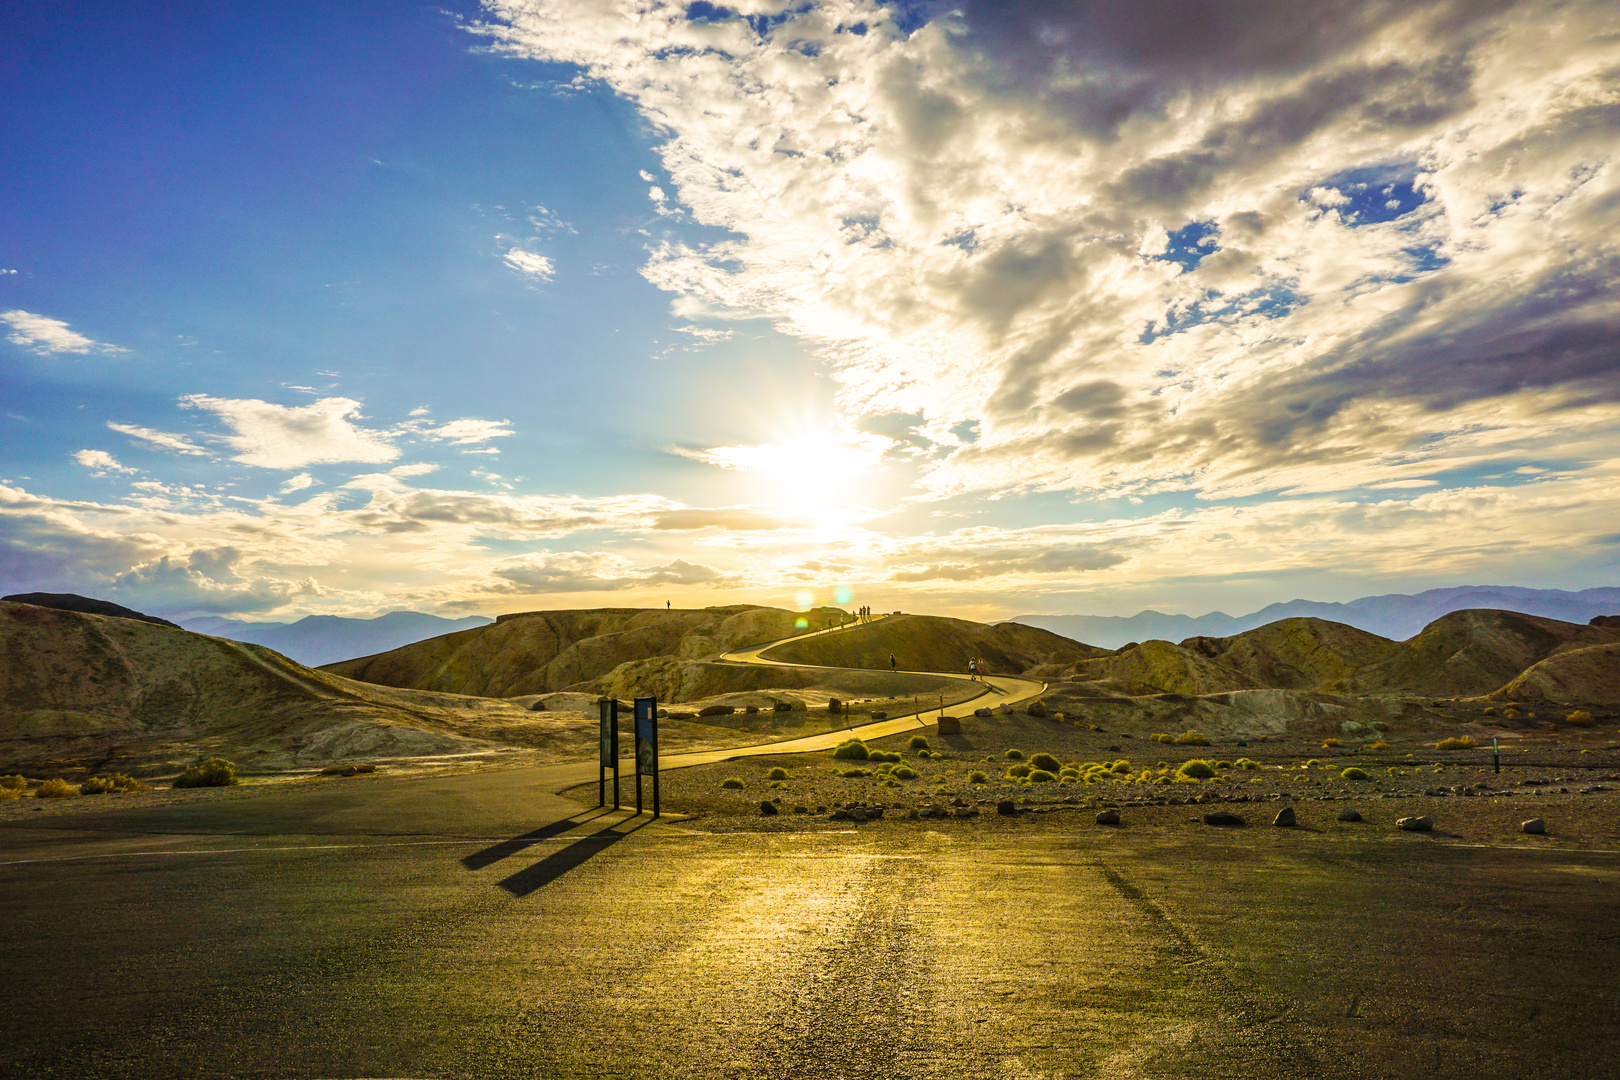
[46,335]
[290,437]
[1141,247]
[100,462]
[468,432]
[594,571]
[530,263]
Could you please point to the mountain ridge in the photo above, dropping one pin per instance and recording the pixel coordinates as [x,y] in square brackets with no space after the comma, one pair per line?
[324,639]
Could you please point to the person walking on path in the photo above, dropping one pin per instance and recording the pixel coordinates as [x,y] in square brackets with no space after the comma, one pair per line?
[891,661]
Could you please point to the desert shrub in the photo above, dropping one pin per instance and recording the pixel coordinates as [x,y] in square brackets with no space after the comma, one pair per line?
[884,755]
[977,777]
[1580,718]
[1046,762]
[856,773]
[349,769]
[1313,764]
[1190,738]
[1120,766]
[1014,755]
[1353,773]
[1018,772]
[777,773]
[1301,778]
[55,789]
[1395,770]
[1224,766]
[1490,710]
[732,783]
[1376,744]
[1330,742]
[1161,738]
[213,772]
[1466,742]
[1196,769]
[779,785]
[1041,776]
[918,742]
[851,750]
[96,785]
[1068,774]
[14,781]
[7,794]
[904,772]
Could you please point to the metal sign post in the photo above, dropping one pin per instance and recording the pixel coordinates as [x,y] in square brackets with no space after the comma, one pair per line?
[609,755]
[1496,757]
[647,749]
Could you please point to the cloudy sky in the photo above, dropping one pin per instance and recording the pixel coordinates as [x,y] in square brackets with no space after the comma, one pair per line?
[979,309]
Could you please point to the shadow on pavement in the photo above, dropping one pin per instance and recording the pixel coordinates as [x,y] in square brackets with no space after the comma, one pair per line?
[481,859]
[558,863]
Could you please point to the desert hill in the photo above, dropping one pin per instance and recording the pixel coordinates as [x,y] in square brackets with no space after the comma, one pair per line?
[1589,676]
[1469,653]
[117,693]
[932,643]
[86,604]
[325,639]
[539,652]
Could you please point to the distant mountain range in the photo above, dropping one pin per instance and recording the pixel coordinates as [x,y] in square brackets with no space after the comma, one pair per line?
[324,639]
[1397,615]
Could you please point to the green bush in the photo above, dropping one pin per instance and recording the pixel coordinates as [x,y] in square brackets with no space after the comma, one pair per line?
[213,772]
[732,783]
[1223,765]
[1190,738]
[777,773]
[1014,755]
[1046,762]
[918,742]
[904,772]
[1041,776]
[1196,769]
[1245,763]
[1353,773]
[779,785]
[884,755]
[852,750]
[1120,766]
[977,777]
[1018,772]
[855,773]
[55,789]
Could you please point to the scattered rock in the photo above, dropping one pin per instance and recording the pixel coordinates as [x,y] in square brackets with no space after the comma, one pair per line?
[1285,816]
[840,814]
[912,815]
[782,706]
[1006,806]
[966,811]
[1348,814]
[1535,827]
[1223,817]
[751,710]
[538,706]
[767,808]
[857,814]
[717,710]
[879,714]
[959,801]
[834,705]
[801,809]
[1415,824]
[1108,817]
[982,712]
[1036,709]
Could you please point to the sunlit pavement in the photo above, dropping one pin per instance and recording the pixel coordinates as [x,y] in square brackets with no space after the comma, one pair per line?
[474,926]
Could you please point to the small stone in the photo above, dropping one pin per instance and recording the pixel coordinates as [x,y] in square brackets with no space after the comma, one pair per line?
[874,812]
[965,811]
[1285,816]
[767,808]
[1108,817]
[959,801]
[840,814]
[1006,806]
[1535,827]
[1223,817]
[1348,814]
[982,712]
[801,809]
[912,815]
[1415,824]
[857,814]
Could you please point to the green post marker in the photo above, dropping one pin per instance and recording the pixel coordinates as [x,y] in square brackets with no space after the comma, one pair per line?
[1496,757]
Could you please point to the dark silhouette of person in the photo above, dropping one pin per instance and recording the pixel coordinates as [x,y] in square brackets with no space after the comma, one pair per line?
[891,661]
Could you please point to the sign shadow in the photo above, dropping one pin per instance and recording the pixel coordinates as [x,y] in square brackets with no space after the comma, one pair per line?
[494,854]
[559,862]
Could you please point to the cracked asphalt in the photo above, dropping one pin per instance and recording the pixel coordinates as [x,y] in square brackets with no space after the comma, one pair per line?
[478,926]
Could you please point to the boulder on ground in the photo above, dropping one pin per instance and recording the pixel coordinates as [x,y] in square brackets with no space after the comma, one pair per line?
[1349,814]
[1036,709]
[1415,824]
[1285,817]
[1108,817]
[767,808]
[1535,826]
[1223,817]
[982,712]
[717,710]
[834,705]
[1006,806]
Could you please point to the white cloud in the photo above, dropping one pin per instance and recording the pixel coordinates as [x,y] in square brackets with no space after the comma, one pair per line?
[290,437]
[162,439]
[100,462]
[468,432]
[1139,268]
[46,335]
[297,483]
[708,334]
[529,262]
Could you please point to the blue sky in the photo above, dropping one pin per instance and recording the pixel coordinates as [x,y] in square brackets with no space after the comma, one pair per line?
[983,310]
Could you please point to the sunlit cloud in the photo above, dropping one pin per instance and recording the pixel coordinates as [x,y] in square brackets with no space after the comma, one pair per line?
[530,263]
[47,335]
[100,462]
[274,436]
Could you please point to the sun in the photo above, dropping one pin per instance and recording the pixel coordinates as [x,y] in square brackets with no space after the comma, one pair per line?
[810,472]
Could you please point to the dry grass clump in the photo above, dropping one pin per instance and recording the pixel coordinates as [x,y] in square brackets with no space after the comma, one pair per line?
[117,782]
[851,750]
[1018,772]
[892,756]
[1489,710]
[55,789]
[1014,754]
[1245,763]
[1465,742]
[1047,762]
[1326,743]
[212,772]
[917,742]
[732,783]
[1041,776]
[1196,769]
[777,773]
[1191,738]
[903,772]
[1376,744]
[1580,718]
[350,768]
[13,786]
[977,777]
[1353,773]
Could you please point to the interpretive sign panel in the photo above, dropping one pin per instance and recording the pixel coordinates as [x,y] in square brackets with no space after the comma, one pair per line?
[608,757]
[647,748]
